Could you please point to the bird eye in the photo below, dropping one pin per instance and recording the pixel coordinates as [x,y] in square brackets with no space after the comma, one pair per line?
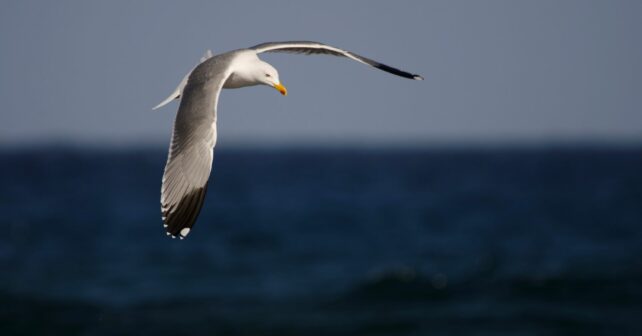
[267,75]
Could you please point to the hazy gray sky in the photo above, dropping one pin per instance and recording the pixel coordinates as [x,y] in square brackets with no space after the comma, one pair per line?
[545,70]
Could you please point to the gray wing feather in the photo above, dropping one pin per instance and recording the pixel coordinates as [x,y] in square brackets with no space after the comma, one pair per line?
[310,47]
[191,152]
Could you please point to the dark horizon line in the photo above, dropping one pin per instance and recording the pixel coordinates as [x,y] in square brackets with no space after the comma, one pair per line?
[337,145]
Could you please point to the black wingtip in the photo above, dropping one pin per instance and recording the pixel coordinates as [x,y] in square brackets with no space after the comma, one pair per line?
[178,220]
[417,77]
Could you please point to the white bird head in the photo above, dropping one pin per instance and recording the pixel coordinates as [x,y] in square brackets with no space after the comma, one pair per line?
[266,74]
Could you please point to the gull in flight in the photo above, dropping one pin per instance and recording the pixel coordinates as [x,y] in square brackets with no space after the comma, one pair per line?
[191,151]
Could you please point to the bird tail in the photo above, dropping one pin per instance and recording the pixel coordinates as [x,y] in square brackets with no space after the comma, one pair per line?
[179,89]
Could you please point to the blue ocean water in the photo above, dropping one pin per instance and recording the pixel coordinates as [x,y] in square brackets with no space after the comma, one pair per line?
[326,242]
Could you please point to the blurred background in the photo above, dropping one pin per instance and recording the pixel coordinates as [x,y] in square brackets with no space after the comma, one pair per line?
[500,196]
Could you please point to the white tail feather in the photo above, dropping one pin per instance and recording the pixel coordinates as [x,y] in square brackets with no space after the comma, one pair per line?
[208,55]
[179,89]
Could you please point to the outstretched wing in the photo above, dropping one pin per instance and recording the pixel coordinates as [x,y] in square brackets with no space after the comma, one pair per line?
[309,47]
[191,151]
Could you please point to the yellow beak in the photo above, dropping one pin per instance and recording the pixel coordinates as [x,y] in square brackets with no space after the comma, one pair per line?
[281,89]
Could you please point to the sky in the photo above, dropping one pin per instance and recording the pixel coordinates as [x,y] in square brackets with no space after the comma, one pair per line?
[509,71]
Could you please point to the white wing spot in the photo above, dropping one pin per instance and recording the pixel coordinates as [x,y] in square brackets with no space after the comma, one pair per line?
[184,232]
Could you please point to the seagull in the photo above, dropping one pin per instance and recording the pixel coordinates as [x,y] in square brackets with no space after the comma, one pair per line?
[191,150]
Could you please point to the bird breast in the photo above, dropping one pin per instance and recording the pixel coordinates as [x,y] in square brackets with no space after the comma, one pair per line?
[237,80]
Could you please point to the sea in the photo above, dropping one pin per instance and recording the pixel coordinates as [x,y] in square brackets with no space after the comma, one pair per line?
[326,241]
